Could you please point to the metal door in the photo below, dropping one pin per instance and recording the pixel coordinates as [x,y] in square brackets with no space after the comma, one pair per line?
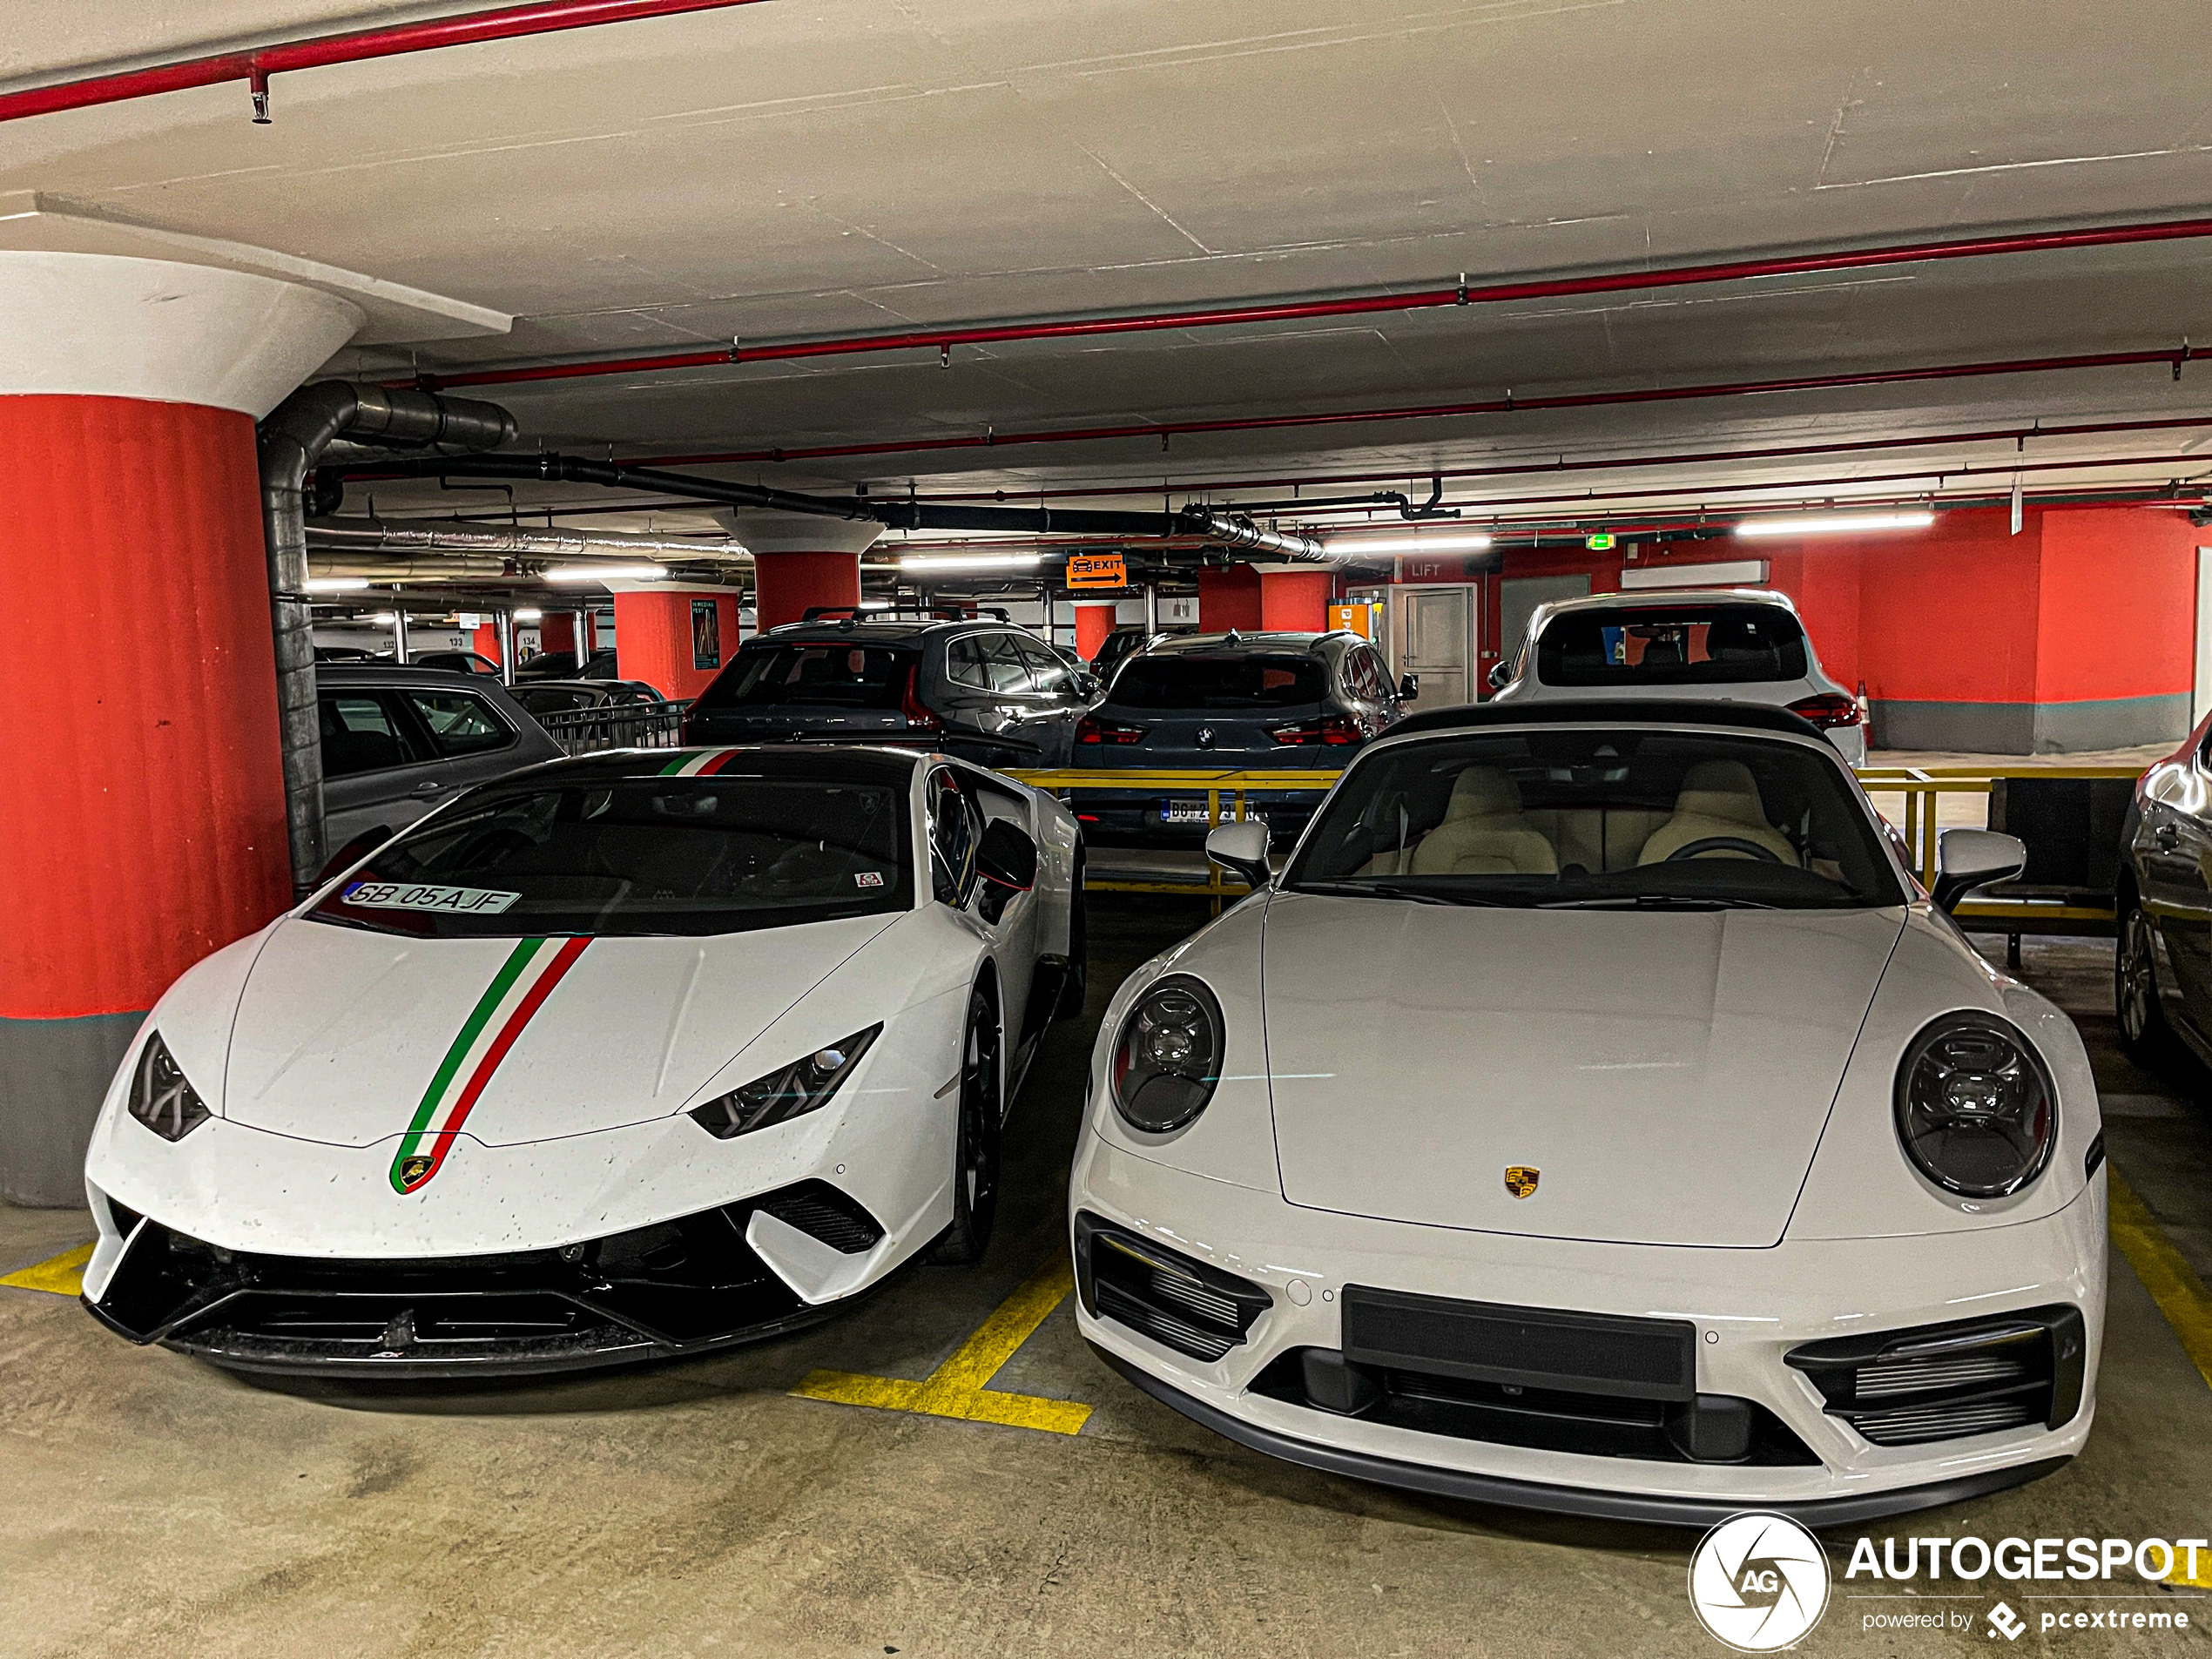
[1435,640]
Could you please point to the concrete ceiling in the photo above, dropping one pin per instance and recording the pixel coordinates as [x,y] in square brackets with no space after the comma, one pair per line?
[810,167]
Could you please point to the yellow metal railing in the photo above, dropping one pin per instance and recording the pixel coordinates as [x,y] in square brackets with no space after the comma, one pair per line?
[1918,793]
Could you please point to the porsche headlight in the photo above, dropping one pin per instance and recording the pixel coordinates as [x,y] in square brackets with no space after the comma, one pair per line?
[1976,1111]
[803,1086]
[1167,1057]
[161,1098]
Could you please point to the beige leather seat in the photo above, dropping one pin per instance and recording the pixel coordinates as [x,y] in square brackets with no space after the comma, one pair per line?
[1719,798]
[1483,833]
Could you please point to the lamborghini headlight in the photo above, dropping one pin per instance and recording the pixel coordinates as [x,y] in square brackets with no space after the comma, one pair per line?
[803,1086]
[161,1098]
[1167,1057]
[1976,1111]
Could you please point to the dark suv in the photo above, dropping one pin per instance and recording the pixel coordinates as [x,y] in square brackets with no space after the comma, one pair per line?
[1233,703]
[975,687]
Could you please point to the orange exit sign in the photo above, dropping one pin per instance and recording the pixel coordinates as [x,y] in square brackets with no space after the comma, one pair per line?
[1097,570]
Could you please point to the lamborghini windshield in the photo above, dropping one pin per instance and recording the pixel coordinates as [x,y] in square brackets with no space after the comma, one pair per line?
[638,856]
[1598,818]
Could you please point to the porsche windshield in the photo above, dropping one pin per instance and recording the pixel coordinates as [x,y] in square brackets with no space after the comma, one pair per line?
[1599,819]
[636,856]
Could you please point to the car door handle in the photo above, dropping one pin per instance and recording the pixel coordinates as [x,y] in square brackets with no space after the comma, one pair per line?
[430,789]
[2166,838]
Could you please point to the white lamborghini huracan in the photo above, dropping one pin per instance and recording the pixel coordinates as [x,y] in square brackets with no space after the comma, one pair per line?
[619,1057]
[1594,1115]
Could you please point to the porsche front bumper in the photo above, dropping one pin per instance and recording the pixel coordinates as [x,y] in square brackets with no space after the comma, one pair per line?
[1749,1309]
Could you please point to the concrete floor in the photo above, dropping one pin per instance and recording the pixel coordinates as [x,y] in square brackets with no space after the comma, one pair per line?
[156,1505]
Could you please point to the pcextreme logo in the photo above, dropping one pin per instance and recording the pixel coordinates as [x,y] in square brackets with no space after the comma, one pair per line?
[1758,1582]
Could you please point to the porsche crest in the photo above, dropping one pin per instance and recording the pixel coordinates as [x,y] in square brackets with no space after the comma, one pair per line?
[1521,1179]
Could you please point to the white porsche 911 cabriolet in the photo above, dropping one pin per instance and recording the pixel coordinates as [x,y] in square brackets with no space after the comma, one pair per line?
[1594,1115]
[619,1057]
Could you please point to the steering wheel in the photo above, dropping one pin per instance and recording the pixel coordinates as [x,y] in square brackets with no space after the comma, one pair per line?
[1722,844]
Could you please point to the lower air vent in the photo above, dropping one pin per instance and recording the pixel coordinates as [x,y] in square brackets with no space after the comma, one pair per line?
[1945,1382]
[1185,1304]
[817,1208]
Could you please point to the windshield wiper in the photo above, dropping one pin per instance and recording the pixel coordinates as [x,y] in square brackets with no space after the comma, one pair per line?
[1411,895]
[1657,901]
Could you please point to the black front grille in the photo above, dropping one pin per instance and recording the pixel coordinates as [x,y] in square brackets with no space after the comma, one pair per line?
[1589,1353]
[1651,1426]
[1944,1382]
[1187,1306]
[674,1286]
[837,1219]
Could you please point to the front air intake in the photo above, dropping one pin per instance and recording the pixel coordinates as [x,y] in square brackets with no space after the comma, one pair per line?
[1945,1382]
[1187,1306]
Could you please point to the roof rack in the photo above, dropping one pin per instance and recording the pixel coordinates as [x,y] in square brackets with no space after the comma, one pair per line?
[849,614]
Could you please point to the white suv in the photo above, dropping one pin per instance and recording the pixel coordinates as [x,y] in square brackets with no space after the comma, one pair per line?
[1736,645]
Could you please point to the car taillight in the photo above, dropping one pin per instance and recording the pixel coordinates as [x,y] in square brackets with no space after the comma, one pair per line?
[919,714]
[1829,709]
[1331,728]
[1091,729]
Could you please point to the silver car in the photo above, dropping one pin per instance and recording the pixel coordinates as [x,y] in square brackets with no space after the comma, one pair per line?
[1734,645]
[398,741]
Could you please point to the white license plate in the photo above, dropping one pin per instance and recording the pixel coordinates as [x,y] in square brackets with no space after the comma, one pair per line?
[1186,812]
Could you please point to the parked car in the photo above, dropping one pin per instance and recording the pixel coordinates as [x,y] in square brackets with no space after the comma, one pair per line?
[2162,969]
[1232,701]
[599,714]
[975,687]
[350,654]
[1595,1117]
[1741,644]
[456,662]
[398,741]
[561,665]
[624,1057]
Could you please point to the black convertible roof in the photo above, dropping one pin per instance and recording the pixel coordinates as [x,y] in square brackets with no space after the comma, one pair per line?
[853,763]
[1616,710]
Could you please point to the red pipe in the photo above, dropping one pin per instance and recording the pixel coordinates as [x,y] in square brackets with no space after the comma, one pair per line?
[254,67]
[943,340]
[2174,356]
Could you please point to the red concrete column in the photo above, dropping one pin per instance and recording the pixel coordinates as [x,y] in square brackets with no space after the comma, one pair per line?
[1295,601]
[143,824]
[663,637]
[786,584]
[1229,597]
[1094,621]
[485,642]
[556,631]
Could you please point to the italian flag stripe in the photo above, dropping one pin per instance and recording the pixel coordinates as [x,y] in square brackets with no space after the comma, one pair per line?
[702,763]
[516,993]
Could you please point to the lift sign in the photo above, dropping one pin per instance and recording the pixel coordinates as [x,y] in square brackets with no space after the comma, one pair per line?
[412,895]
[1097,570]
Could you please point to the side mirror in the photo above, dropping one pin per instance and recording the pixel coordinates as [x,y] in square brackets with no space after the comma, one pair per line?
[355,850]
[1409,687]
[1089,685]
[1241,849]
[1500,676]
[1966,858]
[1008,858]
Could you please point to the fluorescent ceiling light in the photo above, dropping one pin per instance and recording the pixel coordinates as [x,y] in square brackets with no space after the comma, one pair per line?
[1463,542]
[606,572]
[971,561]
[529,615]
[383,619]
[337,584]
[875,605]
[1834,523]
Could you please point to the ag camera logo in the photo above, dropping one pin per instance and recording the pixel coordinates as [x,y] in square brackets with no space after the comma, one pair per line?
[1758,1582]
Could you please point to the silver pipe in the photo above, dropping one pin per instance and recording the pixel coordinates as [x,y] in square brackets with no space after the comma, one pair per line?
[502,629]
[292,439]
[365,534]
[399,633]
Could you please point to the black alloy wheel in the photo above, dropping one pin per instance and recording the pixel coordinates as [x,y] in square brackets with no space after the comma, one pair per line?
[2135,983]
[976,1148]
[1077,986]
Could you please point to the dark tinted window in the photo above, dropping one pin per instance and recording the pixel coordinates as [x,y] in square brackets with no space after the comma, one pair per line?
[546,699]
[1245,680]
[955,827]
[639,856]
[831,674]
[362,731]
[1691,645]
[1602,816]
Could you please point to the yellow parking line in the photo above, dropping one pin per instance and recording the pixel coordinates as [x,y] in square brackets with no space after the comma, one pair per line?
[2173,1284]
[957,1388]
[63,1274]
